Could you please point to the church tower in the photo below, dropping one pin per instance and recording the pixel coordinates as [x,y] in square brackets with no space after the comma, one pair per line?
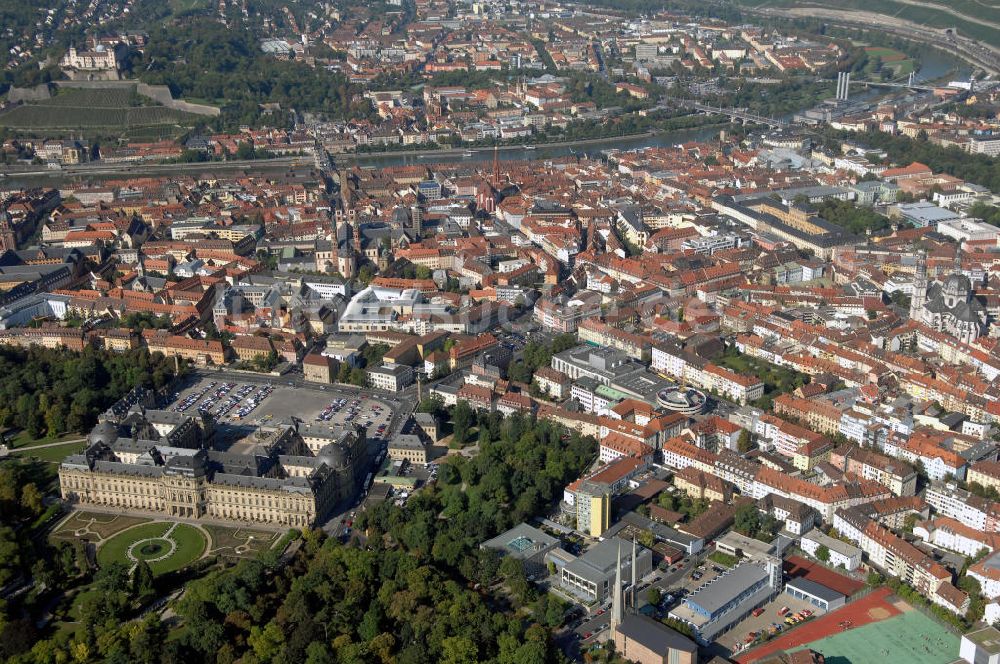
[616,594]
[919,297]
[634,588]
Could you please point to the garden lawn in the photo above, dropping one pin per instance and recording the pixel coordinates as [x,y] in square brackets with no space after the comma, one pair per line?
[190,542]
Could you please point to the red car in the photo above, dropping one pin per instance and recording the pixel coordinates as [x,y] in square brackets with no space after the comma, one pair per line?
[587,635]
[758,611]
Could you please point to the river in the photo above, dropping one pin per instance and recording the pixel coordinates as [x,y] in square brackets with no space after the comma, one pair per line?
[542,151]
[934,65]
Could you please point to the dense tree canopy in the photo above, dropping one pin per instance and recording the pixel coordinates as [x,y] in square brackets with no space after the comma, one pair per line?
[28,562]
[205,60]
[846,214]
[539,355]
[49,392]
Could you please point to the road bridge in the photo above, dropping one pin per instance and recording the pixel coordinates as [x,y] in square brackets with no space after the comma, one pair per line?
[735,114]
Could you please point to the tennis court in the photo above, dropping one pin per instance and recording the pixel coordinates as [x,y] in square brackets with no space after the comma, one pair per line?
[909,637]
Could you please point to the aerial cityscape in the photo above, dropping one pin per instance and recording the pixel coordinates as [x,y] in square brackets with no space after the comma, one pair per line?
[501,331]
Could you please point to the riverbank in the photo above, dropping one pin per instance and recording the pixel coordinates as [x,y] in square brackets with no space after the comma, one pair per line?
[579,143]
[709,123]
[33,175]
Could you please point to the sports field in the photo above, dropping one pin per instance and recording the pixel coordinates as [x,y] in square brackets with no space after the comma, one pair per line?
[910,637]
[877,629]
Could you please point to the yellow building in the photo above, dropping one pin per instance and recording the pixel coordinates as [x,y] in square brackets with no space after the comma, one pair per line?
[130,464]
[984,473]
[592,501]
[700,485]
[408,447]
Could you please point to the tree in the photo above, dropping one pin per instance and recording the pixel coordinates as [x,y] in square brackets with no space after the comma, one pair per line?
[358,377]
[823,553]
[745,442]
[874,579]
[459,650]
[433,404]
[461,416]
[366,274]
[654,596]
[267,642]
[142,580]
[31,499]
[747,519]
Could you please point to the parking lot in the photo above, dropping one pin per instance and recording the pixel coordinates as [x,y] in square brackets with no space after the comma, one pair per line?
[239,407]
[704,572]
[736,638]
[344,410]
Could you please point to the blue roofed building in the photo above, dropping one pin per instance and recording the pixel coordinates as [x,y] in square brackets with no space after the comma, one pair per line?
[717,606]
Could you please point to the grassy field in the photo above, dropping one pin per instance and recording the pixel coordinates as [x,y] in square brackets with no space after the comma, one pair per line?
[53,454]
[83,117]
[899,62]
[101,525]
[87,98]
[724,559]
[240,542]
[183,6]
[21,440]
[189,541]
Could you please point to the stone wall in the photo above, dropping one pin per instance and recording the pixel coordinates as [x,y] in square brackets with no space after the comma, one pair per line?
[158,93]
[37,93]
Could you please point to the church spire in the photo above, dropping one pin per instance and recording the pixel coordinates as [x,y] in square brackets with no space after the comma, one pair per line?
[919,297]
[634,604]
[616,597]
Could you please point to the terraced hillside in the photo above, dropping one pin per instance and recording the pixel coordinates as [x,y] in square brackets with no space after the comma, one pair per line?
[119,110]
[978,19]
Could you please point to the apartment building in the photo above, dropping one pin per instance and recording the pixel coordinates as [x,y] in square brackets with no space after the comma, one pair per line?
[600,333]
[985,474]
[950,534]
[819,416]
[898,475]
[970,510]
[842,554]
[684,366]
[588,499]
[391,378]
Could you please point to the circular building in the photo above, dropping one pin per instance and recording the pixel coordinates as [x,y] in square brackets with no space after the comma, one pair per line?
[686,400]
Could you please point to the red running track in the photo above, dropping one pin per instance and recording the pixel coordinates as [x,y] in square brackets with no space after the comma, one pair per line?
[857,613]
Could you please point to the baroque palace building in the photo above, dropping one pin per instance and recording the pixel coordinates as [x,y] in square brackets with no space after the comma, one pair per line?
[290,474]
